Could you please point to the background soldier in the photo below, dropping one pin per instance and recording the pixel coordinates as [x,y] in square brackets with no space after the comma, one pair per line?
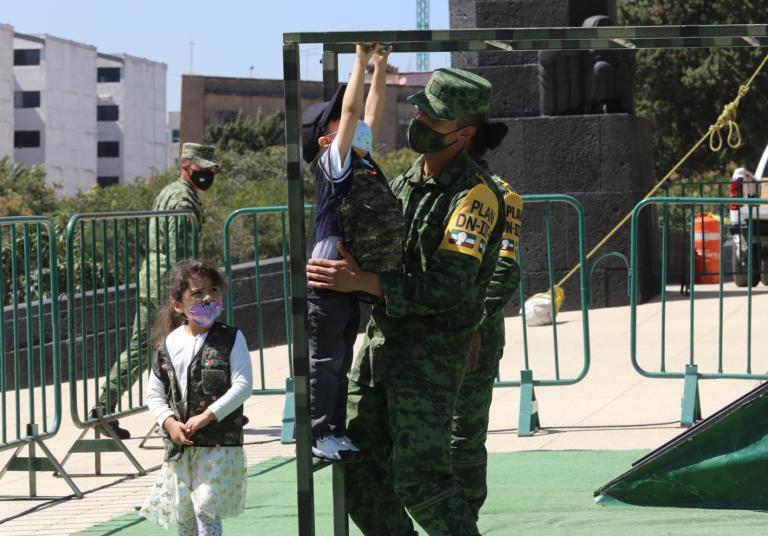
[198,166]
[405,379]
[470,418]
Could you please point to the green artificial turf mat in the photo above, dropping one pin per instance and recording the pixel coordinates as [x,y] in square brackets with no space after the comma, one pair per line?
[541,493]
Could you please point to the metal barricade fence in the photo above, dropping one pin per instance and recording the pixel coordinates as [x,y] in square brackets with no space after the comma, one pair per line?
[677,270]
[709,351]
[29,345]
[116,266]
[528,420]
[259,220]
[528,414]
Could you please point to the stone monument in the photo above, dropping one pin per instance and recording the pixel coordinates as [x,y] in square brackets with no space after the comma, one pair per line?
[571,131]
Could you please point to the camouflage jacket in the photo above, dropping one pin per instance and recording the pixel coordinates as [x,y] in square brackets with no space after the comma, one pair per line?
[207,380]
[371,220]
[506,276]
[162,254]
[453,232]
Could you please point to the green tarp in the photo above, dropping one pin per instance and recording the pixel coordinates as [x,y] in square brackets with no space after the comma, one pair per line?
[721,462]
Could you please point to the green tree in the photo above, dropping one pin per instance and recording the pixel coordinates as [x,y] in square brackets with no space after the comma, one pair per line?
[247,133]
[393,163]
[24,191]
[682,92]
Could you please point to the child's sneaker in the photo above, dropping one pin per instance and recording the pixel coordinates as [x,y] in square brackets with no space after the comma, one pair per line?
[347,444]
[327,448]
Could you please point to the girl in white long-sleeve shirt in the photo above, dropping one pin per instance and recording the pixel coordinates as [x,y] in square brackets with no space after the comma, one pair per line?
[201,376]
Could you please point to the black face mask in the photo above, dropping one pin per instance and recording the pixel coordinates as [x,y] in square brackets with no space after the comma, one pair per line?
[202,179]
[424,140]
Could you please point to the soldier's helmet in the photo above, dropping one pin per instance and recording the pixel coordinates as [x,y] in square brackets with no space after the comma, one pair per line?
[453,93]
[202,155]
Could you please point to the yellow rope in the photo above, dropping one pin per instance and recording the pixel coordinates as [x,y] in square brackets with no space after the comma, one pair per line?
[726,119]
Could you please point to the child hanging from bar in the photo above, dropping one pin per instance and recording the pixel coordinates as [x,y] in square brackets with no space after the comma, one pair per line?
[357,213]
[201,376]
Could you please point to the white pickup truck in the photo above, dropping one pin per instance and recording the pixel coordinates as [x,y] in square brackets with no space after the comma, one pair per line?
[744,184]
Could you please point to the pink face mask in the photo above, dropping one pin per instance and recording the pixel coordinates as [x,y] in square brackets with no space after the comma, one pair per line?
[205,314]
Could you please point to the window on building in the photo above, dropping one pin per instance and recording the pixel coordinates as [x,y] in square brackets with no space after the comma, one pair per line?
[26,99]
[107,181]
[225,116]
[108,149]
[26,138]
[107,74]
[107,112]
[26,56]
[175,135]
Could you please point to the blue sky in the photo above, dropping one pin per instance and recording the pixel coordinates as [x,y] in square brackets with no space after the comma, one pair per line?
[229,36]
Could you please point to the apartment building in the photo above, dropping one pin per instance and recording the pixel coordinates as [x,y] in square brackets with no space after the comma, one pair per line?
[90,118]
[209,100]
[174,135]
[55,108]
[131,120]
[6,90]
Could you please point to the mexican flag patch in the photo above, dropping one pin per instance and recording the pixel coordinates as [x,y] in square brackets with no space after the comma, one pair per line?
[462,239]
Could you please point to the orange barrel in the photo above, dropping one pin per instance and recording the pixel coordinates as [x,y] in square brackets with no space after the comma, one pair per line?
[706,232]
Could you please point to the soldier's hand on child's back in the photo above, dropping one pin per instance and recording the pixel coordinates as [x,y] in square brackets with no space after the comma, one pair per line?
[176,429]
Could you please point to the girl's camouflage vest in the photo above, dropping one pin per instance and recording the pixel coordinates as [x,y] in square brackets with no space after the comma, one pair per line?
[208,378]
[371,220]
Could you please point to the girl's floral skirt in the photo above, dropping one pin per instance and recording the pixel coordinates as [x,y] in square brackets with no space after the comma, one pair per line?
[207,482]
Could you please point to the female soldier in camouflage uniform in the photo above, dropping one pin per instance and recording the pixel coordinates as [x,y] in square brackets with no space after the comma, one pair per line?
[470,418]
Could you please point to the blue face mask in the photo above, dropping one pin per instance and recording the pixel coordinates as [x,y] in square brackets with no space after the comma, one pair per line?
[363,138]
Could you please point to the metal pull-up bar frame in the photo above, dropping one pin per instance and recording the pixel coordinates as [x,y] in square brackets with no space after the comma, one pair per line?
[466,40]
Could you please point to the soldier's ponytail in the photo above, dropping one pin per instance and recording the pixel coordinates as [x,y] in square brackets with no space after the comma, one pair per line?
[166,318]
[488,136]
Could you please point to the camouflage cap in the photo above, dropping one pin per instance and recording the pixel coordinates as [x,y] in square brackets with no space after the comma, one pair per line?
[453,93]
[202,155]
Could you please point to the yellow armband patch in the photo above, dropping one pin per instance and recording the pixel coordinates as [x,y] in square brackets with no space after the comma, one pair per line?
[510,238]
[471,223]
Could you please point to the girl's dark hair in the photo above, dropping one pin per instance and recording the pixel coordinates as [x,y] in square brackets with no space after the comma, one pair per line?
[166,318]
[488,136]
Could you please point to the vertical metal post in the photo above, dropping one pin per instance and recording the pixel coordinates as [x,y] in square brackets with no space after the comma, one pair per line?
[291,66]
[664,269]
[691,411]
[551,272]
[340,519]
[692,284]
[528,419]
[330,73]
[31,469]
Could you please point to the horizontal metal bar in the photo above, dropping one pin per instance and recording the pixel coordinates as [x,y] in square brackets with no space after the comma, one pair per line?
[262,392]
[537,383]
[562,44]
[699,201]
[95,445]
[676,34]
[38,464]
[10,220]
[109,216]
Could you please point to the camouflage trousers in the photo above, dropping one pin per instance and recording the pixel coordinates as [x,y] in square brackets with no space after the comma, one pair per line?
[469,428]
[403,427]
[134,360]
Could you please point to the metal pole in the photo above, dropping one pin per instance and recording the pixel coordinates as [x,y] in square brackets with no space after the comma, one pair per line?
[291,66]
[330,74]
